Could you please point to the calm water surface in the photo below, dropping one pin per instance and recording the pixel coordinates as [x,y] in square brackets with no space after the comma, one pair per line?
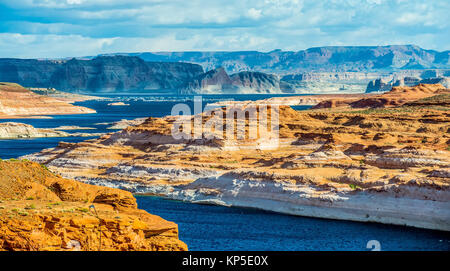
[205,227]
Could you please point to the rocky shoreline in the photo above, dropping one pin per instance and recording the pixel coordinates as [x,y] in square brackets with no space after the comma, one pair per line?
[387,164]
[15,130]
[300,200]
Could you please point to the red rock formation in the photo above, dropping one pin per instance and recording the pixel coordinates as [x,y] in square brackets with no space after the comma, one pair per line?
[42,211]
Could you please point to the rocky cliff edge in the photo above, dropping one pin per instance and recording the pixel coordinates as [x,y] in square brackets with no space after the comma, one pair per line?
[42,211]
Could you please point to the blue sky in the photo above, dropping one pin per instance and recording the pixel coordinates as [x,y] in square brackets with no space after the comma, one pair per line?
[65,28]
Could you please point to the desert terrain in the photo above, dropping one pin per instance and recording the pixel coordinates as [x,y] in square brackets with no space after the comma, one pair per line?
[375,158]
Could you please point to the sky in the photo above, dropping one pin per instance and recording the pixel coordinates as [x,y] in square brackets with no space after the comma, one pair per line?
[67,28]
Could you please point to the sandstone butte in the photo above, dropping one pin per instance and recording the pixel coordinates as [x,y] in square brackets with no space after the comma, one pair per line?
[16,101]
[43,211]
[386,164]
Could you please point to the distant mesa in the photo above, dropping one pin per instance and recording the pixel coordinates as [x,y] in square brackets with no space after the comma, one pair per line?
[334,69]
[318,59]
[101,74]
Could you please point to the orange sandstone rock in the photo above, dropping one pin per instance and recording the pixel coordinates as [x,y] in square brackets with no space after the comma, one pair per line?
[16,101]
[397,96]
[42,211]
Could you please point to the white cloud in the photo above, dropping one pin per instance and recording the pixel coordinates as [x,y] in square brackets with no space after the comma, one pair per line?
[254,13]
[37,46]
[32,46]
[74,2]
[51,27]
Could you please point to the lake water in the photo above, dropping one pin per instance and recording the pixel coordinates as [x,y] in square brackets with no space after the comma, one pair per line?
[205,227]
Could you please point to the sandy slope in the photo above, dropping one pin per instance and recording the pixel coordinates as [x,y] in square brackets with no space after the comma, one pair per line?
[16,101]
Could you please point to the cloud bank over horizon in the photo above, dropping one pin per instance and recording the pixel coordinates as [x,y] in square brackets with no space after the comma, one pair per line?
[52,28]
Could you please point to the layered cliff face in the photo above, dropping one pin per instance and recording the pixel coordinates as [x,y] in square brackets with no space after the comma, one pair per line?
[101,74]
[211,81]
[325,59]
[42,211]
[218,81]
[315,70]
[16,101]
[389,166]
[259,82]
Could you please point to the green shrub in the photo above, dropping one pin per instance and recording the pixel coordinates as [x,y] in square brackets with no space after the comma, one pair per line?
[30,207]
[353,186]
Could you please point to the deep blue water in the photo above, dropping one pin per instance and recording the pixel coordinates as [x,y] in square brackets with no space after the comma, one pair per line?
[205,227]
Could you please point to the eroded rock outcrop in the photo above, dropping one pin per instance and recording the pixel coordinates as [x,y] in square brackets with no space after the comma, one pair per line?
[43,211]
